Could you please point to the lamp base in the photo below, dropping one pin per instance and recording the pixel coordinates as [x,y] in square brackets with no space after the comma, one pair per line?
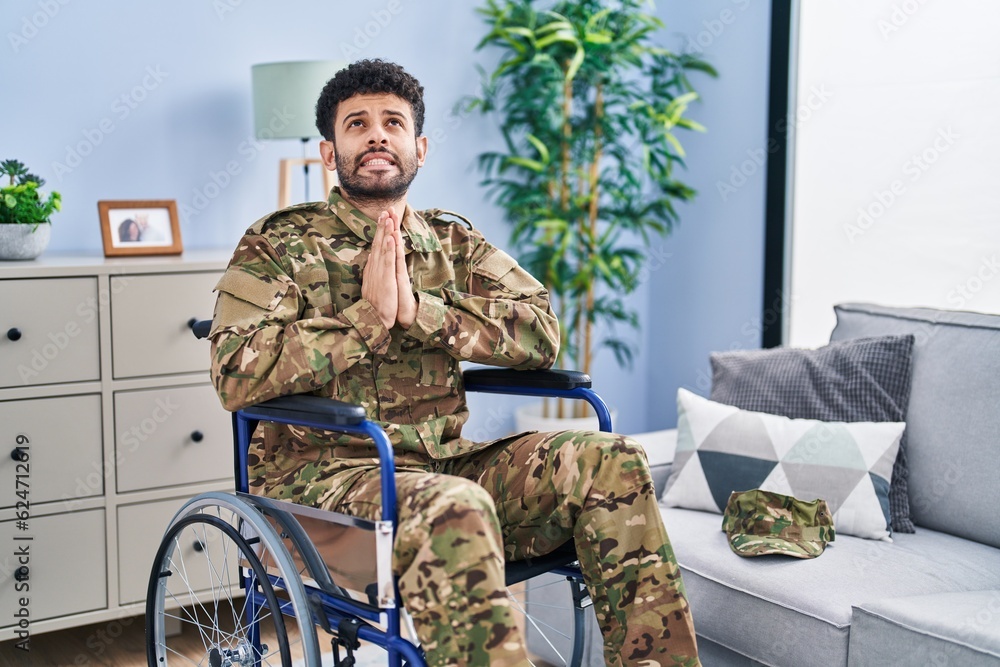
[285,178]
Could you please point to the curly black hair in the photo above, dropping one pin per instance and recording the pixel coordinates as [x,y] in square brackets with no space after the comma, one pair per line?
[365,77]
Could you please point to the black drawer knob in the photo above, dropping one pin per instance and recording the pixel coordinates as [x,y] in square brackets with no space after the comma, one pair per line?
[193,321]
[13,333]
[198,546]
[197,436]
[18,454]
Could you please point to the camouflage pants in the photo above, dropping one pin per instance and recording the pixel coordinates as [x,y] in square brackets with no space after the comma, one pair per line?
[520,498]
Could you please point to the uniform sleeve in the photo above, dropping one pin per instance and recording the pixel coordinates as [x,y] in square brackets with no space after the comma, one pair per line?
[261,348]
[503,319]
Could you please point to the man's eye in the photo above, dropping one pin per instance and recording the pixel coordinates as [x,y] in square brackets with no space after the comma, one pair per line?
[395,122]
[355,123]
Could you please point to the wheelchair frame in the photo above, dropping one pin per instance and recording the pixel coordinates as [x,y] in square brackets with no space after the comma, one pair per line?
[340,613]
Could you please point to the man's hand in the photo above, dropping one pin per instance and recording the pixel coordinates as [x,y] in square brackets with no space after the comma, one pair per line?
[378,282]
[406,311]
[385,281]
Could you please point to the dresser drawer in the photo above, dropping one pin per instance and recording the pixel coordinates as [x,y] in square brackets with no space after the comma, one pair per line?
[140,531]
[165,437]
[48,331]
[149,323]
[67,568]
[64,445]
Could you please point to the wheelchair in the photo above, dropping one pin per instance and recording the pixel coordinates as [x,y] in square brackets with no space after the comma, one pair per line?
[258,578]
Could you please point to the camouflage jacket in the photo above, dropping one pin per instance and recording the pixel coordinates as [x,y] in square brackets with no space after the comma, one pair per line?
[290,319]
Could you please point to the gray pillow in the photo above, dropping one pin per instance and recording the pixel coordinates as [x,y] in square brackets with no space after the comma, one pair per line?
[859,380]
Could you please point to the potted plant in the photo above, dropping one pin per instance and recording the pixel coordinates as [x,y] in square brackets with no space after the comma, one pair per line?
[588,106]
[24,212]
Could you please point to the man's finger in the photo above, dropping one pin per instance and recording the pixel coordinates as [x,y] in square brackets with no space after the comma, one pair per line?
[402,276]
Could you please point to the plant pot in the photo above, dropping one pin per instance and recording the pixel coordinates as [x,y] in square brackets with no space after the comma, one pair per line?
[23,242]
[529,418]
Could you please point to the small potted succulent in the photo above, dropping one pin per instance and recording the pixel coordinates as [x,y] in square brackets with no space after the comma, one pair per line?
[24,212]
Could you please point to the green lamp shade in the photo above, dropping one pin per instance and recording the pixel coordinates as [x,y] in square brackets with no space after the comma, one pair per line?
[284,97]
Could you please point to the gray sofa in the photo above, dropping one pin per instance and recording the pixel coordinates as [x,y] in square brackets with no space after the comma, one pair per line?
[928,598]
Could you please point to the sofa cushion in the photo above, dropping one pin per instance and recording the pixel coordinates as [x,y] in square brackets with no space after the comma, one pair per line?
[953,420]
[859,380]
[722,449]
[784,611]
[938,629]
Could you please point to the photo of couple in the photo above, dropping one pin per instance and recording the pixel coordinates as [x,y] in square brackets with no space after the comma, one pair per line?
[150,227]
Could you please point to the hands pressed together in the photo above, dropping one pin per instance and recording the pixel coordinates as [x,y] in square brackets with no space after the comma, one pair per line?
[385,282]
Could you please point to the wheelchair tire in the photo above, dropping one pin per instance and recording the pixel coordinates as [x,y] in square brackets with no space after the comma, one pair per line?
[213,547]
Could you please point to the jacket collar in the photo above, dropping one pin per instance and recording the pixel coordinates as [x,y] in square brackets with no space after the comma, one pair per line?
[417,234]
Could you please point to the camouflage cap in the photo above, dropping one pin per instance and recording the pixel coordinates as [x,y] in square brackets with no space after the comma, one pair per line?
[761,522]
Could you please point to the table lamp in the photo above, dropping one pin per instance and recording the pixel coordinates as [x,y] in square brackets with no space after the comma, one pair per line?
[284,107]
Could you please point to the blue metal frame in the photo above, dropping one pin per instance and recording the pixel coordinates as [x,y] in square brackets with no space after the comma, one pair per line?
[336,609]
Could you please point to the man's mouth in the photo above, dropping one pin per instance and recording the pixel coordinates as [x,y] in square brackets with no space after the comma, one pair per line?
[377,160]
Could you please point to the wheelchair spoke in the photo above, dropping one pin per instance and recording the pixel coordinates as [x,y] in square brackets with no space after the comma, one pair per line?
[535,625]
[214,616]
[544,606]
[182,572]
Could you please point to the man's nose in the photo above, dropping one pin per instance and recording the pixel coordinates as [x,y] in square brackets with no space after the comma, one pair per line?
[377,135]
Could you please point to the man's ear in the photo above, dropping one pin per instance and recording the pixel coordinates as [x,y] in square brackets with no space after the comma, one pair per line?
[329,155]
[421,150]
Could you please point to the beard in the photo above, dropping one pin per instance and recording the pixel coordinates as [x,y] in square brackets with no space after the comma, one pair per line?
[377,187]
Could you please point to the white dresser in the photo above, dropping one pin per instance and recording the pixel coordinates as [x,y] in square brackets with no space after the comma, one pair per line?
[103,380]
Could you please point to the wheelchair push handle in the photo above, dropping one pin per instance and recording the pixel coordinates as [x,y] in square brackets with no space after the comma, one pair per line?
[200,328]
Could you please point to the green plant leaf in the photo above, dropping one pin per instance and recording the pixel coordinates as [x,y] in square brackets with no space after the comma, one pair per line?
[543,151]
[533,165]
[575,63]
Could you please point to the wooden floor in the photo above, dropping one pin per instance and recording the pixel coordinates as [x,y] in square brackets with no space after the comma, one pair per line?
[120,643]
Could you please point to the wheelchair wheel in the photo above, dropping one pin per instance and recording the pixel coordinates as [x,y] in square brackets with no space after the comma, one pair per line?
[222,574]
[552,611]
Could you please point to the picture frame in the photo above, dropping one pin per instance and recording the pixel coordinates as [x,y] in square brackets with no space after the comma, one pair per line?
[140,227]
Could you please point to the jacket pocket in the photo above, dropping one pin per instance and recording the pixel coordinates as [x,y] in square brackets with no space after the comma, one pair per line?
[438,368]
[245,300]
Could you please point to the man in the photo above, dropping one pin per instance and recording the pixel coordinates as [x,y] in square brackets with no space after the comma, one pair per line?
[364,299]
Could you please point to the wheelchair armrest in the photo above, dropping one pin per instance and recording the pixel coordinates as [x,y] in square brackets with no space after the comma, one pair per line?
[486,378]
[309,410]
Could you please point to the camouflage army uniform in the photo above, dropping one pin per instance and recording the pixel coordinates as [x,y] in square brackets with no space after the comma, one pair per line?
[290,319]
